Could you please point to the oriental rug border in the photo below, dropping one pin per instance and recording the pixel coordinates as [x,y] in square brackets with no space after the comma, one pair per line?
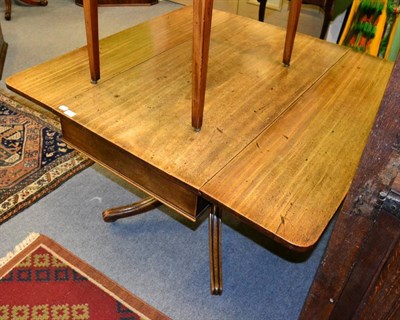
[34,241]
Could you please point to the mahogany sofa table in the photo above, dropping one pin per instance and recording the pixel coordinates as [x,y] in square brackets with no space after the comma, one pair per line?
[278,148]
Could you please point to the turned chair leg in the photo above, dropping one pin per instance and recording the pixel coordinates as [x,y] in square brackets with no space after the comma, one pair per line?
[327,18]
[215,232]
[261,10]
[7,15]
[92,36]
[294,13]
[202,16]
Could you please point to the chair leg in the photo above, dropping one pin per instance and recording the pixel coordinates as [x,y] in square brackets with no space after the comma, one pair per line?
[92,37]
[327,18]
[202,16]
[215,230]
[294,13]
[7,15]
[261,10]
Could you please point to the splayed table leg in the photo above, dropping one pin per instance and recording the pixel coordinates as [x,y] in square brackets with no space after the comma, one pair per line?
[147,204]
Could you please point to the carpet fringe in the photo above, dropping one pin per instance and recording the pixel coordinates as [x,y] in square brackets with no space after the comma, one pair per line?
[19,247]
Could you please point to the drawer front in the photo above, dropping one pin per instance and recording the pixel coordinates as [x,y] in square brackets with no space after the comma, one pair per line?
[142,175]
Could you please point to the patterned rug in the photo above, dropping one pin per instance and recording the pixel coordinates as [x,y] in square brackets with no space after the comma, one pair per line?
[33,158]
[41,280]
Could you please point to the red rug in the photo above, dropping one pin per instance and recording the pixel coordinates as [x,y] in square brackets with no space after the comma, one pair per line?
[41,280]
[33,158]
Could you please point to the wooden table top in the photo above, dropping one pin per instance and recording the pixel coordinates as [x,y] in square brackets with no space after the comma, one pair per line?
[279,146]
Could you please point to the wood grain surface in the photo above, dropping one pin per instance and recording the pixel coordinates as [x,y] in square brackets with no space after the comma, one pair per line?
[365,240]
[145,109]
[293,177]
[273,138]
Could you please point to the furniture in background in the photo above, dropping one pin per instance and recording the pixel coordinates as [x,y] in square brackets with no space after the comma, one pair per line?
[3,52]
[29,2]
[121,2]
[326,5]
[279,146]
[373,28]
[358,277]
[7,15]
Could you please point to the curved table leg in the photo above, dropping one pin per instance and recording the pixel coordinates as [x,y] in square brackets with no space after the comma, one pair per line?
[215,228]
[113,214]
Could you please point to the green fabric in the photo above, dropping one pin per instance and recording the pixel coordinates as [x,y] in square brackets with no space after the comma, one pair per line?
[394,50]
[340,6]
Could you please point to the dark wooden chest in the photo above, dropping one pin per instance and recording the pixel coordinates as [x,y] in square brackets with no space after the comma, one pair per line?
[359,276]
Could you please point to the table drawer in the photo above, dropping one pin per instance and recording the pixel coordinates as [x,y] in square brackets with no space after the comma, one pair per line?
[136,171]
